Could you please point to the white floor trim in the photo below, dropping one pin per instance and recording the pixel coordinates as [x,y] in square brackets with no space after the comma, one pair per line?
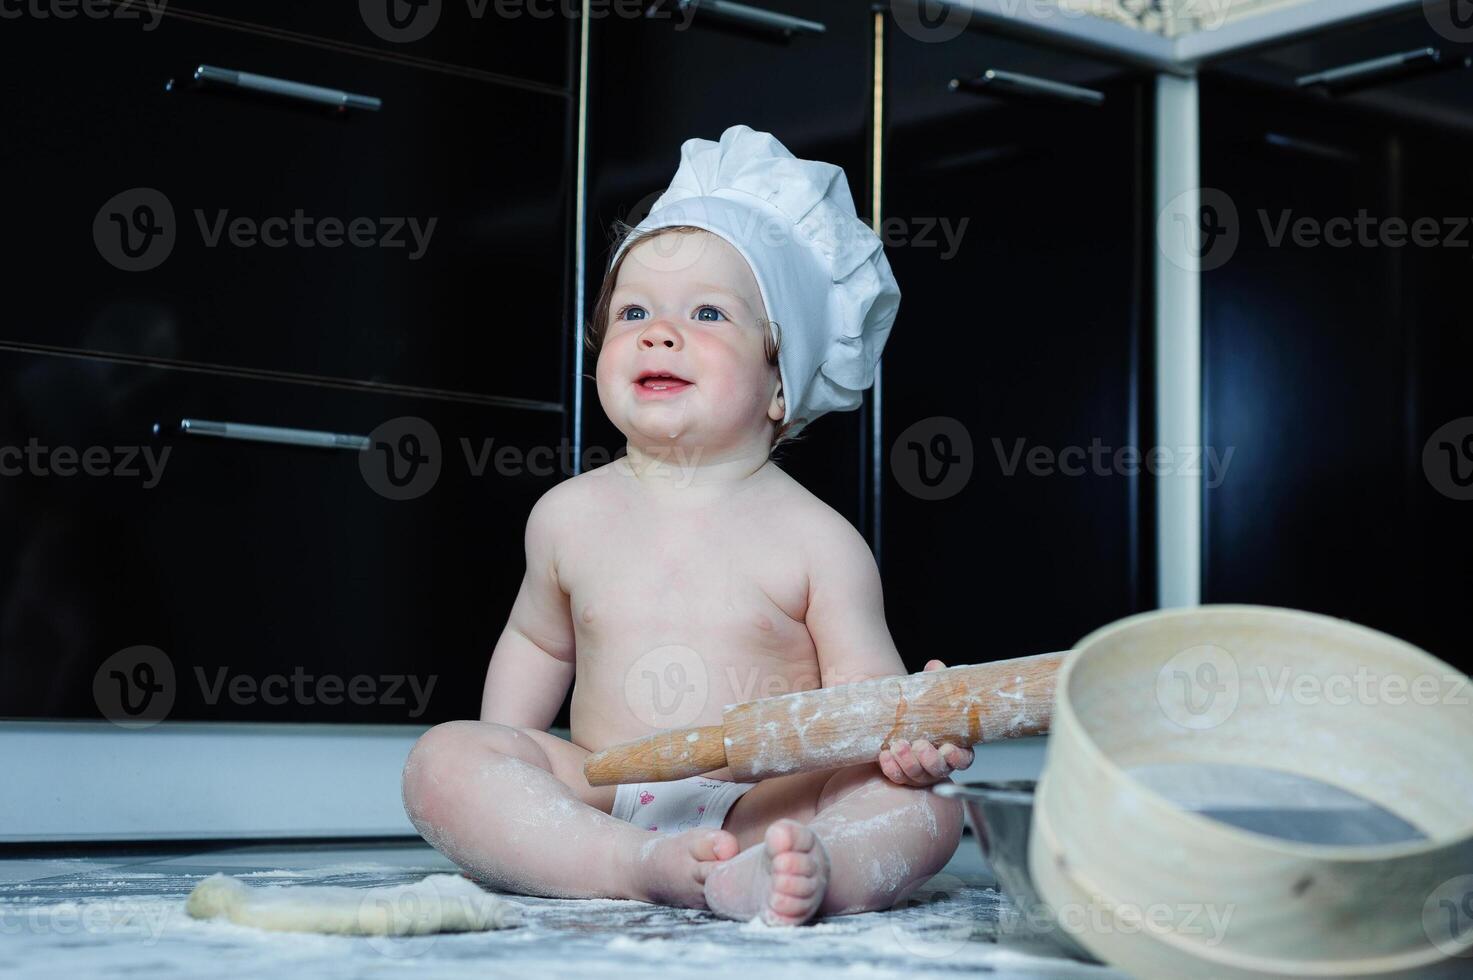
[80,781]
[90,781]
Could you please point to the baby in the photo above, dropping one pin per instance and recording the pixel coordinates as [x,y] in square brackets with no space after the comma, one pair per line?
[693,573]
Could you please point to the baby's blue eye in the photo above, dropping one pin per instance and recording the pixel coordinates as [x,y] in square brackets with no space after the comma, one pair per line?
[713,309]
[628,309]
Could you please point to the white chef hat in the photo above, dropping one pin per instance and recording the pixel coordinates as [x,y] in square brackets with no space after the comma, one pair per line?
[822,272]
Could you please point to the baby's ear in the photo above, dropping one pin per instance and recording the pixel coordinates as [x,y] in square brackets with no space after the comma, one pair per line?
[778,406]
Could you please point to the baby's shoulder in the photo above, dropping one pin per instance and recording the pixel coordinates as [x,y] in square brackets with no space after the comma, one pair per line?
[558,506]
[800,514]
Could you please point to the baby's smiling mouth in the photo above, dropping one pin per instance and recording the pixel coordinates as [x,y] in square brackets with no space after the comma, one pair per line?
[661,381]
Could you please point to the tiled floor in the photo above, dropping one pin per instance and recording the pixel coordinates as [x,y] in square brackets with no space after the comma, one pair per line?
[116,914]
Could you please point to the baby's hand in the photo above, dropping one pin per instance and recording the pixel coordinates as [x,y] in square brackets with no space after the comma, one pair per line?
[919,763]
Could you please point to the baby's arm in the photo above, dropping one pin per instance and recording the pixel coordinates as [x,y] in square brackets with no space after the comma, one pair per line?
[532,665]
[846,618]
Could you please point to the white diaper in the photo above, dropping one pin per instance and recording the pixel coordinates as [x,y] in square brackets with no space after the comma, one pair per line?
[680,804]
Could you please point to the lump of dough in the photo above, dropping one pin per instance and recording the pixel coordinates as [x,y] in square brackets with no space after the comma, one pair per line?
[438,903]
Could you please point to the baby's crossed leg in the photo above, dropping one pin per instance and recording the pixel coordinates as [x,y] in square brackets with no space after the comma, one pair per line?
[511,806]
[862,843]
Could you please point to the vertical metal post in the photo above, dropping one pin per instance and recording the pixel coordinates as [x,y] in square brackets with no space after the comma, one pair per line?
[580,235]
[877,161]
[1178,337]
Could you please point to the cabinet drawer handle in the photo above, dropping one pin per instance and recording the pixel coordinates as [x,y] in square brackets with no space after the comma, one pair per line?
[1379,71]
[284,87]
[270,433]
[741,13]
[995,81]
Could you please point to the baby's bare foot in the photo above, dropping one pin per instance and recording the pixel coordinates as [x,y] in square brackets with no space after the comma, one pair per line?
[671,869]
[783,879]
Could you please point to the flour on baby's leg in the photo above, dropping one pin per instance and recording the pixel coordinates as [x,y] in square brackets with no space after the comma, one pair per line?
[781,881]
[672,869]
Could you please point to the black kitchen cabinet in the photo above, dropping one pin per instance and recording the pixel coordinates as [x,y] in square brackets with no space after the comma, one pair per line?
[250,559]
[1018,368]
[645,102]
[1335,343]
[423,245]
[517,41]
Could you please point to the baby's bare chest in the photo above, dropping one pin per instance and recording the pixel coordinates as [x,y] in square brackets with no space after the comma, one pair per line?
[679,611]
[729,585]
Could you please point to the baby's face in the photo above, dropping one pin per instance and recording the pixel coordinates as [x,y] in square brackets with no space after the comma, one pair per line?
[687,304]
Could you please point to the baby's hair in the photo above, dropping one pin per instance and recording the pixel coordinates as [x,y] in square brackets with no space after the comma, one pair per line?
[598,323]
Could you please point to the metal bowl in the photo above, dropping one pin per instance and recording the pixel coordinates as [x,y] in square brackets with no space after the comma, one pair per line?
[1002,815]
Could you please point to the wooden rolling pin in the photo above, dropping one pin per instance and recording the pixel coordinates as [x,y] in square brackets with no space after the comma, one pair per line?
[828,728]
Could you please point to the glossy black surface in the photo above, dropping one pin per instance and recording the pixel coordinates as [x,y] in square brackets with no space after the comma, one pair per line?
[521,40]
[811,92]
[474,302]
[1023,333]
[1328,368]
[268,561]
[247,558]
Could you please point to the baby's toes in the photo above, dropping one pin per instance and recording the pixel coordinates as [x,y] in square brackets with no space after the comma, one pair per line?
[789,835]
[796,863]
[798,886]
[710,850]
[790,909]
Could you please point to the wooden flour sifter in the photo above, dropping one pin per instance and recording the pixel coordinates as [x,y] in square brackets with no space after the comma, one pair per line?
[829,728]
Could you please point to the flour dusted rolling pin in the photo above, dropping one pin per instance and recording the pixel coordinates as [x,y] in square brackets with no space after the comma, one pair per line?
[833,727]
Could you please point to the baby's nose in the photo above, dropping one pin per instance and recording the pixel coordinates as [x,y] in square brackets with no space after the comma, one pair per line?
[660,332]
